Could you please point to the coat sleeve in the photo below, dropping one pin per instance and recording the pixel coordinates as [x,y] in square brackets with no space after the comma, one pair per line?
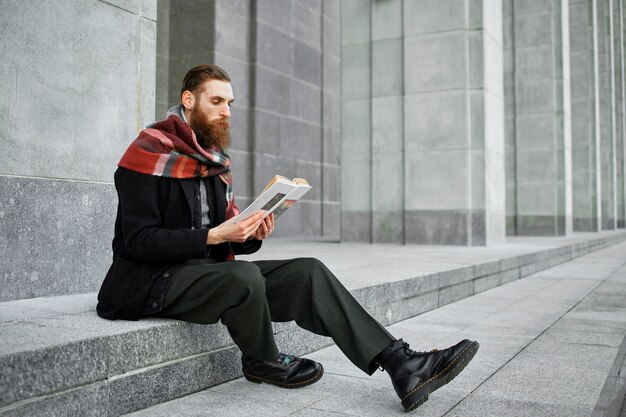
[246,248]
[145,238]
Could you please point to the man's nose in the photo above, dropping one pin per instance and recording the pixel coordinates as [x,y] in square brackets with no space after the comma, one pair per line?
[225,111]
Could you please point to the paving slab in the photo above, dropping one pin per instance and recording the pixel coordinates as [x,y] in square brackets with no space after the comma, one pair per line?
[548,345]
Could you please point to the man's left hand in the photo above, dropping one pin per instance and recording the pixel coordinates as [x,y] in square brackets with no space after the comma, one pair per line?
[265,229]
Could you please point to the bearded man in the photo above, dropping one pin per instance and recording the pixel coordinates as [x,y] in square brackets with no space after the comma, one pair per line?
[174,256]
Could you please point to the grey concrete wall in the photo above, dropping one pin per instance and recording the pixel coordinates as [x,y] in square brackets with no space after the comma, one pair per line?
[585,142]
[283,58]
[542,118]
[78,81]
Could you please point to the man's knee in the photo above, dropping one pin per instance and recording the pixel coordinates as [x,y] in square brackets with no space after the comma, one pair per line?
[309,264]
[245,276]
[314,270]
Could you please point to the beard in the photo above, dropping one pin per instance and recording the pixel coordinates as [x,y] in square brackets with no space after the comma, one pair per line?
[210,133]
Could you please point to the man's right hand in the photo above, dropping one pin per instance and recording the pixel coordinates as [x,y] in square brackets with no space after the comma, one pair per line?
[235,232]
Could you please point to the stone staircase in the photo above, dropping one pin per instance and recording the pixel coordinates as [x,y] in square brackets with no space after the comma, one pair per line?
[58,358]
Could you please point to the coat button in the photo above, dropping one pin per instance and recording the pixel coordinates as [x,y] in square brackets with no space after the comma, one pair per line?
[165,275]
[155,304]
[198,197]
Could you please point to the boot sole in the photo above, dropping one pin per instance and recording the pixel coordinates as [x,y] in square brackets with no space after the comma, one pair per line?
[419,394]
[258,379]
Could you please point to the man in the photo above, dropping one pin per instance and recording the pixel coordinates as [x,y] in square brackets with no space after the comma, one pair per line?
[174,248]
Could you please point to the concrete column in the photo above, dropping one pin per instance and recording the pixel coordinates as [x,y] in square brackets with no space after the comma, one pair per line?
[77,82]
[454,122]
[509,117]
[542,118]
[331,119]
[607,116]
[585,142]
[618,68]
[622,75]
[356,134]
[387,122]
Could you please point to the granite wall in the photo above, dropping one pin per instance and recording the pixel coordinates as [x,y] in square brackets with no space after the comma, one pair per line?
[78,81]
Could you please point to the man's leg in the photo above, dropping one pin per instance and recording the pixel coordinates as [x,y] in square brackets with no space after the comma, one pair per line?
[306,291]
[203,292]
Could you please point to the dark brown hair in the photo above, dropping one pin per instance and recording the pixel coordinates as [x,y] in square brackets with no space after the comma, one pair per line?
[196,76]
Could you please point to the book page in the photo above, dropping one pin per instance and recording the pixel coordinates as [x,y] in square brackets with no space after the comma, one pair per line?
[268,200]
[273,201]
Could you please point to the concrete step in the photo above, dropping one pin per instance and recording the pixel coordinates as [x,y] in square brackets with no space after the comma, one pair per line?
[551,345]
[58,357]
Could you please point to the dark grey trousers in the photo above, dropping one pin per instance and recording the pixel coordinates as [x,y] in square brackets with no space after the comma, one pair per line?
[248,296]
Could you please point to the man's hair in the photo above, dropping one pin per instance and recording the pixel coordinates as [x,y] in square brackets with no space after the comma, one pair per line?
[196,76]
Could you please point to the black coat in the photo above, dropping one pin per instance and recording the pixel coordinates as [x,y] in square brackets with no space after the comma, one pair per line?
[157,229]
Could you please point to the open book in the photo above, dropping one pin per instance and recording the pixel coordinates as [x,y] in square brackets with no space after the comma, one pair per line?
[279,194]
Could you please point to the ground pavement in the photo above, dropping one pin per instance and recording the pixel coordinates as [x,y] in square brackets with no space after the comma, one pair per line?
[552,344]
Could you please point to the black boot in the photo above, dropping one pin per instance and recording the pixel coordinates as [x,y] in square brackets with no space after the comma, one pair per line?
[414,375]
[287,371]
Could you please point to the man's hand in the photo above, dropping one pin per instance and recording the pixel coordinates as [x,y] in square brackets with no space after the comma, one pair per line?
[235,232]
[265,229]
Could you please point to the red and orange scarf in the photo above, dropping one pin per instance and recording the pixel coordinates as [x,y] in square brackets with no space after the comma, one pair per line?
[169,149]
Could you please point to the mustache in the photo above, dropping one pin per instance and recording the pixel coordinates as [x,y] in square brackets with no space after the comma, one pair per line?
[224,123]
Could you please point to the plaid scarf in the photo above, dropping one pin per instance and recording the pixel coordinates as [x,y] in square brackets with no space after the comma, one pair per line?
[169,149]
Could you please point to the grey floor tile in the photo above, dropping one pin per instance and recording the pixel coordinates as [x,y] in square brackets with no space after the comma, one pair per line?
[336,363]
[213,404]
[313,412]
[569,375]
[357,396]
[481,302]
[531,320]
[299,398]
[478,405]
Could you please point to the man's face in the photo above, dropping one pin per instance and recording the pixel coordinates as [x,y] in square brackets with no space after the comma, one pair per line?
[209,113]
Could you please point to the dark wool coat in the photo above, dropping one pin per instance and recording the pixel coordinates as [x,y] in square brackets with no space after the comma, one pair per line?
[157,229]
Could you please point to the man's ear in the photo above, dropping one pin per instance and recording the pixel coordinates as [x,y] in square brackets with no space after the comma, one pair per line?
[188,100]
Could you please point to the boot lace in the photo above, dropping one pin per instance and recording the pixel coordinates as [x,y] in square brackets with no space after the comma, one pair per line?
[285,359]
[407,351]
[411,352]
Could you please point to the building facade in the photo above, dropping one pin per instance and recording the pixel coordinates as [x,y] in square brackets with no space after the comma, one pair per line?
[417,121]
